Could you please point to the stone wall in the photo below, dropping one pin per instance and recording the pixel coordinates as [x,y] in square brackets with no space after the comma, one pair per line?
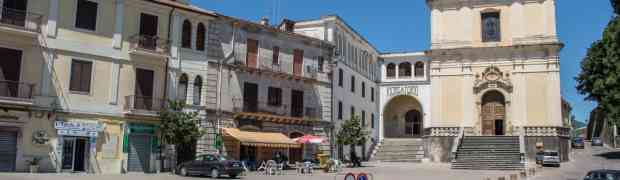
[438,148]
[560,144]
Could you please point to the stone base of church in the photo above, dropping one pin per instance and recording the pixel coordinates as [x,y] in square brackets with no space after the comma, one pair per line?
[438,148]
[556,143]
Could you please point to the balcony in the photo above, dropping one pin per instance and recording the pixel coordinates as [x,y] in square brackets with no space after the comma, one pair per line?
[280,71]
[149,45]
[282,113]
[143,106]
[20,22]
[16,93]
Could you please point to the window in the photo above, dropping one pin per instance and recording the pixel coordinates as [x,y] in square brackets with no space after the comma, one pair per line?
[250,97]
[353,84]
[363,89]
[363,119]
[80,76]
[252,53]
[276,55]
[491,31]
[419,69]
[186,37]
[372,120]
[197,90]
[391,70]
[182,90]
[86,15]
[297,103]
[298,60]
[404,69]
[352,112]
[340,110]
[274,96]
[321,61]
[372,94]
[340,77]
[201,34]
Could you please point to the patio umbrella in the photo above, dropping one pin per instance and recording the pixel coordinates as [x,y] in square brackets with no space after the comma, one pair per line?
[309,139]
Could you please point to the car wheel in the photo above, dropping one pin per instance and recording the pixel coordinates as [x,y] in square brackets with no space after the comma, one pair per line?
[183,171]
[233,176]
[215,173]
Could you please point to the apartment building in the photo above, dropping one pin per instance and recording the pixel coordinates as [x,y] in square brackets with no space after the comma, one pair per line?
[272,85]
[355,76]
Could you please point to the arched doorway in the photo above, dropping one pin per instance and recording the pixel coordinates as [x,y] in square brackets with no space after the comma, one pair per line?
[295,154]
[493,113]
[403,118]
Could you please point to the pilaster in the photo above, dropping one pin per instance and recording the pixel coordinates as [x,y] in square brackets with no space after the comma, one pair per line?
[118,24]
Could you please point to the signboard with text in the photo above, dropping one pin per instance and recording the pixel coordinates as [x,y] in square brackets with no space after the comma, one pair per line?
[83,129]
[406,90]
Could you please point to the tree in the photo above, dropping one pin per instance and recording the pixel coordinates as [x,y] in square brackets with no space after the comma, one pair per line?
[352,133]
[599,78]
[180,129]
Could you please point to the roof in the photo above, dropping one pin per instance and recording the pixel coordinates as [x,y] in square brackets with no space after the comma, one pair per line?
[349,27]
[261,139]
[186,7]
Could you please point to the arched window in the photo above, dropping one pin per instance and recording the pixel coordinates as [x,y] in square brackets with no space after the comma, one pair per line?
[200,37]
[391,70]
[419,69]
[404,69]
[186,37]
[182,90]
[197,90]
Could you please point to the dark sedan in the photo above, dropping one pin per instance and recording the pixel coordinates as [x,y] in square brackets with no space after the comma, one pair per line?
[212,165]
[603,174]
[578,143]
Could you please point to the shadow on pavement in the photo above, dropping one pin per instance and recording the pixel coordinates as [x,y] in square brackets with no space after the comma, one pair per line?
[610,155]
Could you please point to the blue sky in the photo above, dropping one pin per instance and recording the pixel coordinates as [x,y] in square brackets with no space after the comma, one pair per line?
[403,25]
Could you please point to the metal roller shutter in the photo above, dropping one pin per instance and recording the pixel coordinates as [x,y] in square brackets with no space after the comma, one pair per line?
[8,150]
[139,153]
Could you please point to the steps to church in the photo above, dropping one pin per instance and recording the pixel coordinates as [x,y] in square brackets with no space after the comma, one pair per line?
[488,153]
[400,150]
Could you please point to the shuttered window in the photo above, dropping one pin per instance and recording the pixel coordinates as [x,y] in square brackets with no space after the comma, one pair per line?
[275,96]
[201,34]
[80,76]
[186,37]
[86,15]
[252,53]
[298,61]
[340,77]
[276,55]
[340,110]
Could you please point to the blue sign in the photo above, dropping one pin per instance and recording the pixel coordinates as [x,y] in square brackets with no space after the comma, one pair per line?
[83,129]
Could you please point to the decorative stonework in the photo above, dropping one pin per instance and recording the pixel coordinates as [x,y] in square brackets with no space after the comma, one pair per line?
[444,131]
[492,77]
[547,131]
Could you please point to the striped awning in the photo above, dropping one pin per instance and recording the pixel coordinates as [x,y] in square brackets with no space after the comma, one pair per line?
[273,118]
[261,139]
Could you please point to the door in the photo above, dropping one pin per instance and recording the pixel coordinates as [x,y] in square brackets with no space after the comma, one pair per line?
[74,154]
[148,31]
[14,12]
[252,54]
[67,153]
[250,97]
[144,89]
[295,154]
[297,103]
[139,154]
[413,123]
[8,150]
[80,154]
[499,127]
[10,68]
[493,113]
[298,60]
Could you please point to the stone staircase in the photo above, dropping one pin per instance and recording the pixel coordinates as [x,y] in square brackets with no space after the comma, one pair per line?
[399,150]
[488,153]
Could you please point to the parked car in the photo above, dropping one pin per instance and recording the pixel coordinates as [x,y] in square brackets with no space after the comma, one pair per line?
[596,141]
[212,165]
[578,143]
[549,157]
[603,174]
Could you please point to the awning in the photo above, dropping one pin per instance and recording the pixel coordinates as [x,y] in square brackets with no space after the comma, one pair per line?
[274,118]
[261,139]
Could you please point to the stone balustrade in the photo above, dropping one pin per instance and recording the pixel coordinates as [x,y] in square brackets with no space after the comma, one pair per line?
[547,131]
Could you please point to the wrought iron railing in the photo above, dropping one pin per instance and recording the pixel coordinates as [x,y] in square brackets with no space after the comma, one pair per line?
[282,109]
[20,19]
[14,89]
[144,103]
[152,44]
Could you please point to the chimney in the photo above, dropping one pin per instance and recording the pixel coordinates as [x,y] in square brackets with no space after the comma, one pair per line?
[287,25]
[264,21]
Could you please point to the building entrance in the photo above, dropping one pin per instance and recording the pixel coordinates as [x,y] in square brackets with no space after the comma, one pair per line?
[493,114]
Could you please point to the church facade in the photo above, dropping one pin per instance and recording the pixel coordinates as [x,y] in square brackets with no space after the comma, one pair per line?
[493,69]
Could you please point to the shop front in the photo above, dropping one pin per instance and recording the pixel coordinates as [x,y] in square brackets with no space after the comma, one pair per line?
[77,143]
[256,147]
[141,146]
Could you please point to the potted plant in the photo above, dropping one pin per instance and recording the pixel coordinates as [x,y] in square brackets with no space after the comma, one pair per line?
[34,164]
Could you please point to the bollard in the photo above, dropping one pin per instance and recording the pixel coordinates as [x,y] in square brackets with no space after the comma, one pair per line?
[514,177]
[501,178]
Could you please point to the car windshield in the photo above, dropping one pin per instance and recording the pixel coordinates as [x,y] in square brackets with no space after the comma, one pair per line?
[222,158]
[551,153]
[578,140]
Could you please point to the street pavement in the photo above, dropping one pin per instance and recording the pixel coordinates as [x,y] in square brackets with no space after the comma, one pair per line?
[581,162]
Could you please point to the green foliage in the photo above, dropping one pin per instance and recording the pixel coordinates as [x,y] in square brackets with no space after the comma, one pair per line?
[599,78]
[352,133]
[179,127]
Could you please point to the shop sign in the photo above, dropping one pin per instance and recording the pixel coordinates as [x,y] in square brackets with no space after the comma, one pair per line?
[83,129]
[407,90]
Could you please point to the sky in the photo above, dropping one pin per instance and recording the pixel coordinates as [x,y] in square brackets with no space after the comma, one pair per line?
[403,25]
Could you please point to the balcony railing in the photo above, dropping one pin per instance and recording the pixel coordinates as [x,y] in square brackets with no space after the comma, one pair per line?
[283,109]
[149,44]
[144,105]
[16,90]
[20,19]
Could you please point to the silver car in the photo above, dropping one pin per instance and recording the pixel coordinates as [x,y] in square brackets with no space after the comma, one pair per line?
[550,157]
